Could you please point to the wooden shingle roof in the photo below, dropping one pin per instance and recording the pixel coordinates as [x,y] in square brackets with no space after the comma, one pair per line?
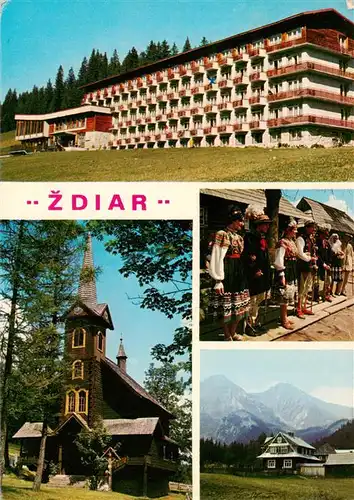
[256,196]
[30,430]
[131,427]
[324,214]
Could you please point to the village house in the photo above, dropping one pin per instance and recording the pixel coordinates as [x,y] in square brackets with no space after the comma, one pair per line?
[289,83]
[321,213]
[101,389]
[284,452]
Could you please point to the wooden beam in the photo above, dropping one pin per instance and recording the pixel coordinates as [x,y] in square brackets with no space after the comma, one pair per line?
[145,479]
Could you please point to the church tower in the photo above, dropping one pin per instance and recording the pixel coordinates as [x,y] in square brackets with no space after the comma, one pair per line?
[86,324]
[122,357]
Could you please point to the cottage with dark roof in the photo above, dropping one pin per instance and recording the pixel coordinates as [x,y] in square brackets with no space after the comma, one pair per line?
[99,389]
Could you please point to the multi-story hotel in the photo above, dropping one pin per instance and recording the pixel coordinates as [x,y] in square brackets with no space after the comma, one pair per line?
[288,83]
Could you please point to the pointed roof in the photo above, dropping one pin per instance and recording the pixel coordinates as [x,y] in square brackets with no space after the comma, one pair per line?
[87,286]
[121,351]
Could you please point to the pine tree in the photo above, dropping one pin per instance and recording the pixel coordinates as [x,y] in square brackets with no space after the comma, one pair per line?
[59,89]
[165,50]
[114,64]
[70,99]
[34,99]
[204,42]
[131,60]
[187,45]
[82,75]
[174,50]
[49,97]
[8,110]
[93,67]
[151,53]
[103,66]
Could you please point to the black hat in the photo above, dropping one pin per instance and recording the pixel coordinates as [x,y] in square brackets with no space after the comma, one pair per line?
[235,213]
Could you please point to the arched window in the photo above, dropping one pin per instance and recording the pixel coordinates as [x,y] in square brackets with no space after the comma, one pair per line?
[70,402]
[79,337]
[82,401]
[100,341]
[78,369]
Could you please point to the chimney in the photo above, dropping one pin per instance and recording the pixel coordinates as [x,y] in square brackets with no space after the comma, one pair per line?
[122,357]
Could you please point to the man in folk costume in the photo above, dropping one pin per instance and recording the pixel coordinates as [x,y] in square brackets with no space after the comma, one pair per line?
[230,299]
[347,263]
[257,265]
[286,272]
[324,255]
[306,265]
[337,263]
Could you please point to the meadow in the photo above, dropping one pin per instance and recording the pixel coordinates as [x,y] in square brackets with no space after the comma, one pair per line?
[196,164]
[227,487]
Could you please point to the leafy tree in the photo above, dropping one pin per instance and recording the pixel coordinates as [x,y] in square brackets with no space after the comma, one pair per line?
[187,45]
[156,253]
[91,444]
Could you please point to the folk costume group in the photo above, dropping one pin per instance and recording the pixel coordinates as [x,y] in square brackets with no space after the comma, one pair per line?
[305,262]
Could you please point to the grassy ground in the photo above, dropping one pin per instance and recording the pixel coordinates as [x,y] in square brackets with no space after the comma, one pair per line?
[7,140]
[15,489]
[226,487]
[204,164]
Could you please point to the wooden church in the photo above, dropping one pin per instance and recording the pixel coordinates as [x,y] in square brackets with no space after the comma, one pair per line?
[100,389]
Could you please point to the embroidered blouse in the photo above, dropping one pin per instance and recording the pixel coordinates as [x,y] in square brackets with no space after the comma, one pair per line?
[227,241]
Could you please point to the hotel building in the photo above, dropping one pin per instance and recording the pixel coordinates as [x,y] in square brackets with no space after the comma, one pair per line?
[287,83]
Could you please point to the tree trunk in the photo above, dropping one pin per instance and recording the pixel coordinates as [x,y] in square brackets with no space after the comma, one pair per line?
[10,347]
[40,464]
[273,197]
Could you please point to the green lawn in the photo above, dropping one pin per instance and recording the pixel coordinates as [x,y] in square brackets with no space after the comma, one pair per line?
[7,140]
[15,489]
[204,164]
[226,487]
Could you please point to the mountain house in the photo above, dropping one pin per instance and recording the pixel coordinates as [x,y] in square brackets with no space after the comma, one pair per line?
[100,389]
[284,452]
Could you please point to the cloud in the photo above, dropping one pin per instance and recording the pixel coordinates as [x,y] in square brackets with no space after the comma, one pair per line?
[337,395]
[340,204]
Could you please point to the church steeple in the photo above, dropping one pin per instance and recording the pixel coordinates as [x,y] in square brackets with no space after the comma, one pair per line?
[87,286]
[122,357]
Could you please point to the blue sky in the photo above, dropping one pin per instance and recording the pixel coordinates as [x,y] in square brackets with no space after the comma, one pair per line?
[39,35]
[141,328]
[327,374]
[343,199]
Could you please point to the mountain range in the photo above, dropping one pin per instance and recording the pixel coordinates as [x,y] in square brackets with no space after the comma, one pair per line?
[228,413]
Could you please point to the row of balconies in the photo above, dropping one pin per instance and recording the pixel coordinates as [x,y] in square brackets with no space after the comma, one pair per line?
[310,66]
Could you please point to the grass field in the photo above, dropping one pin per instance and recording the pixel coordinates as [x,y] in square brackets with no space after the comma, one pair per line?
[226,487]
[15,489]
[204,164]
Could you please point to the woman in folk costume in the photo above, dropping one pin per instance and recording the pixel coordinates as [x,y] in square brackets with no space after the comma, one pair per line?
[324,261]
[347,263]
[286,272]
[230,300]
[256,262]
[306,266]
[337,263]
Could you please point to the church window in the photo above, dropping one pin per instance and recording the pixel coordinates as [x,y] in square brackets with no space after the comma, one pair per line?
[100,341]
[82,401]
[78,369]
[79,337]
[70,402]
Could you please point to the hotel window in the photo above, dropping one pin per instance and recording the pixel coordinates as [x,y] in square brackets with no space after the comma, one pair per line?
[242,49]
[100,341]
[274,39]
[275,137]
[70,402]
[293,34]
[271,464]
[342,41]
[78,369]
[295,135]
[287,464]
[82,406]
[79,337]
[259,44]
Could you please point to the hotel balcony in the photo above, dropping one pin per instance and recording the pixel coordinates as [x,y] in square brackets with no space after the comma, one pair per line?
[160,137]
[258,76]
[258,125]
[183,71]
[211,108]
[184,113]
[241,57]
[197,68]
[258,100]
[133,105]
[141,84]
[172,135]
[259,53]
[197,111]
[211,65]
[141,103]
[161,117]
[241,127]
[211,87]
[311,119]
[185,93]
[172,96]
[225,129]
[226,84]
[173,75]
[225,106]
[150,119]
[172,115]
[113,90]
[311,37]
[312,93]
[162,98]
[241,80]
[123,107]
[122,124]
[131,86]
[197,90]
[24,137]
[184,134]
[114,109]
[210,130]
[241,104]
[161,79]
[151,81]
[197,132]
[225,61]
[151,100]
[141,119]
[312,67]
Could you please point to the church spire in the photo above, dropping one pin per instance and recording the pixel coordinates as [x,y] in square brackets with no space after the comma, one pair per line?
[122,357]
[87,286]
